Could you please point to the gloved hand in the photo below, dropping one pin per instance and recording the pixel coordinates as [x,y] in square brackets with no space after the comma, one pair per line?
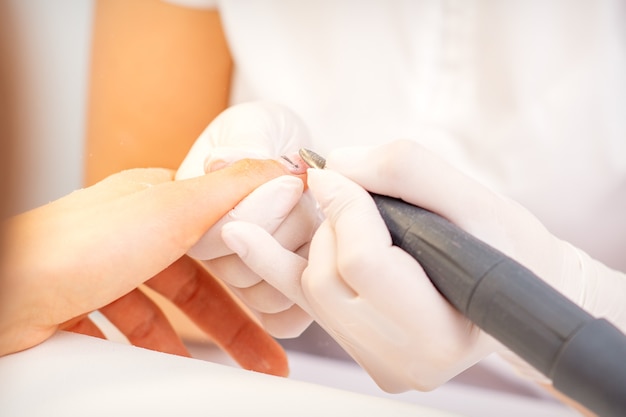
[257,130]
[375,299]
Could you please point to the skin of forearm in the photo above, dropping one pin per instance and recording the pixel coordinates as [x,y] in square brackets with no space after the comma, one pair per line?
[159,74]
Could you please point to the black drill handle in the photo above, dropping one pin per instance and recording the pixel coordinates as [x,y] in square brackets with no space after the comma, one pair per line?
[584,357]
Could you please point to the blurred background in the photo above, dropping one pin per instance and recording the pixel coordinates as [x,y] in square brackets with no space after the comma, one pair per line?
[52,41]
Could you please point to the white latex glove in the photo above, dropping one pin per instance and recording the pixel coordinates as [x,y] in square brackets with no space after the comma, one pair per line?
[260,130]
[375,299]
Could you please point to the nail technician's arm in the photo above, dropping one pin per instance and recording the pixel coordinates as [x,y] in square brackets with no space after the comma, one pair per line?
[88,249]
[402,331]
[159,74]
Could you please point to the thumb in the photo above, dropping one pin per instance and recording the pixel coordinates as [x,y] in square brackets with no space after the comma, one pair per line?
[246,239]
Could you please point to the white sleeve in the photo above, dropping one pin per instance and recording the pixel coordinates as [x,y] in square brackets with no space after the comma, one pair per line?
[196,4]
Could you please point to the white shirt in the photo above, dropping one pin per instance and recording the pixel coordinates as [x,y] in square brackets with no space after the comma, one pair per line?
[529,97]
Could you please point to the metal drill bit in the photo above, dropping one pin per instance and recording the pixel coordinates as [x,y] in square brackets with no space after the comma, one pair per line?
[312,159]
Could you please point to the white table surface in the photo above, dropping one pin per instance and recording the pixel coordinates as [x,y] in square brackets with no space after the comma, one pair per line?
[74,375]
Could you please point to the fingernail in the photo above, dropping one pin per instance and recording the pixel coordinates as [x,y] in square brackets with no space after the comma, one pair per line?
[294,163]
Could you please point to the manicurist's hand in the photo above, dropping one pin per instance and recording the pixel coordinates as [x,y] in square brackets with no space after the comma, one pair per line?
[376,300]
[258,130]
[93,248]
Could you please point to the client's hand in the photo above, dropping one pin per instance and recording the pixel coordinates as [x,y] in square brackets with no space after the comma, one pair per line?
[257,130]
[375,299]
[92,249]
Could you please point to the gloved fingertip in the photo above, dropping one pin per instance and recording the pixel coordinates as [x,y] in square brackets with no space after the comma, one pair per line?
[316,179]
[325,185]
[283,193]
[290,182]
[231,234]
[294,163]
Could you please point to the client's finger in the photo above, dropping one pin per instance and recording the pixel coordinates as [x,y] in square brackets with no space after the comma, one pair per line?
[266,206]
[143,323]
[208,304]
[82,325]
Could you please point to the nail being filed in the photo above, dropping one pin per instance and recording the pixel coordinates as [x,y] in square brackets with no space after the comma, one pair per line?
[312,159]
[294,163]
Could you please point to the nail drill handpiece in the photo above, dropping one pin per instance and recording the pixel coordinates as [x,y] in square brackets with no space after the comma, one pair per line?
[584,357]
